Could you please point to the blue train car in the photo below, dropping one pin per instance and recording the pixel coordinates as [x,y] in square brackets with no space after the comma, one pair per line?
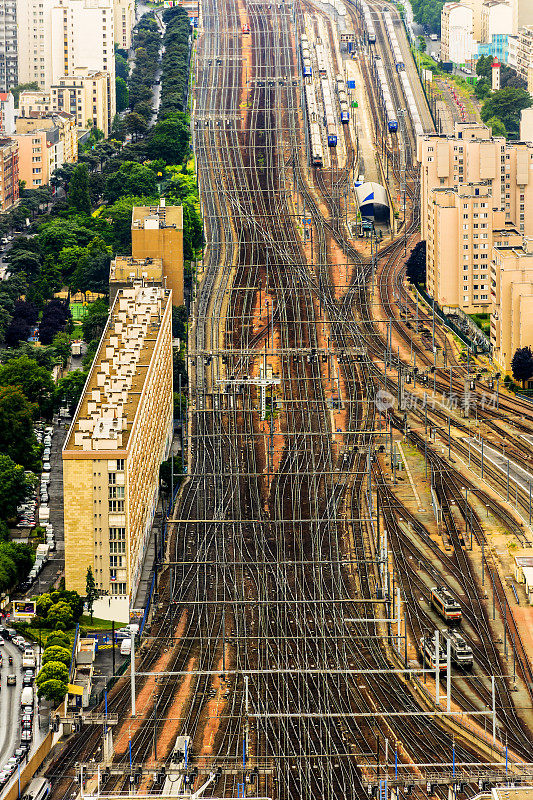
[345,116]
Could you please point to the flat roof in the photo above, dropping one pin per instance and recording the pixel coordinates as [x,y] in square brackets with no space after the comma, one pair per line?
[107,409]
[161,216]
[124,269]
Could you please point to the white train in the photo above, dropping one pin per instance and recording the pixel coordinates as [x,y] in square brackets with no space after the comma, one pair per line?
[369,25]
[411,104]
[306,56]
[331,125]
[393,41]
[343,99]
[321,59]
[384,94]
[315,138]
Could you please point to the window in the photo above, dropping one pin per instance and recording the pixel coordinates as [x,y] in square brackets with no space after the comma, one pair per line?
[118,588]
[118,534]
[116,492]
[116,505]
[112,478]
[115,561]
[117,547]
[120,465]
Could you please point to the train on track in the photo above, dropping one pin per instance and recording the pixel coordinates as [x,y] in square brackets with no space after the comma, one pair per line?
[393,41]
[461,652]
[315,138]
[369,25]
[384,94]
[321,59]
[245,27]
[343,99]
[445,605]
[307,69]
[329,114]
[429,657]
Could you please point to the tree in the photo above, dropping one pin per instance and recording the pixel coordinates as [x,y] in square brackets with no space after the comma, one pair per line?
[135,124]
[122,93]
[522,364]
[56,315]
[119,215]
[131,179]
[60,615]
[482,89]
[497,127]
[94,322]
[179,322]
[53,690]
[62,348]
[92,272]
[58,639]
[506,105]
[193,229]
[57,653]
[416,263]
[52,671]
[35,381]
[170,139]
[91,592]
[14,486]
[24,87]
[484,66]
[78,190]
[422,44]
[69,389]
[43,605]
[17,438]
[121,67]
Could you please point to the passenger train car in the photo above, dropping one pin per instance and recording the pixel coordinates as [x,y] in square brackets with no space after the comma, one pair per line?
[307,69]
[461,652]
[331,125]
[445,604]
[385,95]
[343,99]
[369,25]
[315,137]
[429,657]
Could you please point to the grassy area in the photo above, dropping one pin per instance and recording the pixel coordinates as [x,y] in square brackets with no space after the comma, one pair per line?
[98,624]
[33,633]
[77,333]
[482,321]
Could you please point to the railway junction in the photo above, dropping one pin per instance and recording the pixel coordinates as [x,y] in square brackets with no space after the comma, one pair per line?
[338,534]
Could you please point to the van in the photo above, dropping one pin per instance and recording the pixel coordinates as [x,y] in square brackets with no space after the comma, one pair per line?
[28,659]
[125,647]
[26,697]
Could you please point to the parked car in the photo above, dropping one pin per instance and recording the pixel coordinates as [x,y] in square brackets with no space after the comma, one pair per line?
[11,680]
[27,681]
[27,710]
[26,721]
[19,754]
[46,466]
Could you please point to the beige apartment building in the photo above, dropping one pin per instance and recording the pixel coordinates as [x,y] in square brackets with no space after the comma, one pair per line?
[125,270]
[55,37]
[511,324]
[157,232]
[524,51]
[86,95]
[33,104]
[120,434]
[9,173]
[45,143]
[124,22]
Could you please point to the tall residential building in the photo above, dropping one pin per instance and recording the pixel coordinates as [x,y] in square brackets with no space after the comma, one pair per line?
[86,95]
[511,323]
[157,232]
[522,14]
[7,113]
[57,36]
[124,22]
[457,33]
[45,143]
[524,51]
[8,45]
[33,104]
[120,434]
[9,173]
[496,19]
[476,7]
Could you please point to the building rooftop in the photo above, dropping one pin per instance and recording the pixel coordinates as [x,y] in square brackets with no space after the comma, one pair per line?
[126,269]
[161,216]
[106,412]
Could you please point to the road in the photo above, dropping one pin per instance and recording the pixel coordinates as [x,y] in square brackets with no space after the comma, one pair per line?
[10,702]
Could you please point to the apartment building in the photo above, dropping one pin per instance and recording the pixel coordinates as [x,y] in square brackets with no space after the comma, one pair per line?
[457,33]
[57,36]
[157,232]
[460,228]
[120,434]
[496,19]
[45,143]
[125,271]
[511,324]
[9,173]
[524,51]
[33,104]
[522,14]
[7,113]
[86,95]
[124,16]
[8,45]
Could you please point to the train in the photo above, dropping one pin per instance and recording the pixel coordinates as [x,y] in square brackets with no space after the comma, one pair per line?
[445,605]
[385,95]
[461,652]
[411,104]
[245,27]
[343,99]
[429,657]
[315,138]
[393,41]
[331,125]
[321,59]
[369,25]
[306,56]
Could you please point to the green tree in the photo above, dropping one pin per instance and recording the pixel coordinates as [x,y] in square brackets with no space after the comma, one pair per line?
[57,653]
[193,230]
[179,322]
[78,190]
[69,388]
[484,67]
[119,215]
[24,87]
[35,381]
[135,124]
[17,439]
[121,67]
[92,272]
[122,93]
[522,364]
[53,690]
[130,179]
[14,486]
[482,89]
[52,671]
[422,44]
[497,127]
[62,348]
[91,592]
[58,639]
[43,605]
[170,138]
[95,320]
[60,615]
[506,105]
